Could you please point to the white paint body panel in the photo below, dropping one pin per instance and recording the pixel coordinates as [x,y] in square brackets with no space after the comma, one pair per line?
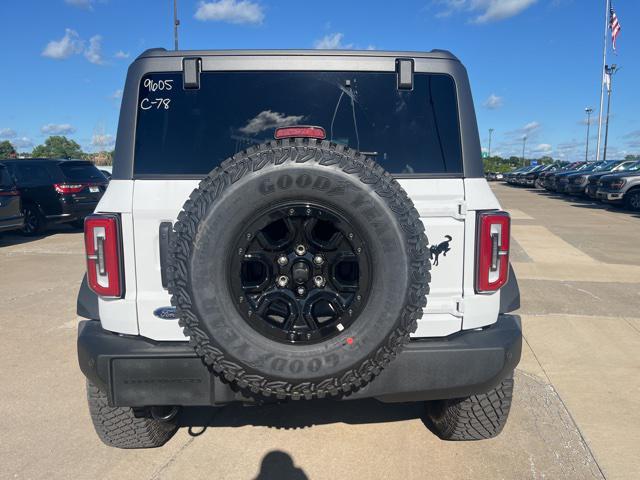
[446,207]
[120,315]
[439,203]
[479,310]
[154,202]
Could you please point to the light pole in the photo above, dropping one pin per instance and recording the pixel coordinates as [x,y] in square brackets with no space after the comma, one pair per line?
[490,133]
[524,143]
[610,71]
[176,23]
[588,111]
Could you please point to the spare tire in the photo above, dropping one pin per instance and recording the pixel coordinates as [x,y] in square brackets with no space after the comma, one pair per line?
[298,269]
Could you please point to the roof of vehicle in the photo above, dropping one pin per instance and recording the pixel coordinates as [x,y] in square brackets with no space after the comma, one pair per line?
[162,52]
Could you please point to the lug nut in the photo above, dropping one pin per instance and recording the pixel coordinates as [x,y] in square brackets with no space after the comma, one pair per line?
[318,260]
[318,280]
[282,260]
[301,291]
[282,281]
[301,250]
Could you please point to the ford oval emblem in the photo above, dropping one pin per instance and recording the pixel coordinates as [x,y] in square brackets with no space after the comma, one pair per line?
[165,313]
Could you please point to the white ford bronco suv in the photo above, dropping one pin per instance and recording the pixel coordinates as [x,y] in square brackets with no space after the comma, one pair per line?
[297,226]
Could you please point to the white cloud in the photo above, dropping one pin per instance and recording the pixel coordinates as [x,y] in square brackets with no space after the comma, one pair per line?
[543,149]
[65,47]
[6,133]
[531,127]
[493,102]
[121,54]
[88,4]
[57,129]
[485,11]
[231,11]
[94,52]
[116,95]
[332,41]
[103,140]
[22,142]
[72,44]
[267,119]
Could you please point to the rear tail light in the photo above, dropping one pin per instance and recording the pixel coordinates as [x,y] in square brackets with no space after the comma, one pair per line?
[492,270]
[104,265]
[301,131]
[66,188]
[8,193]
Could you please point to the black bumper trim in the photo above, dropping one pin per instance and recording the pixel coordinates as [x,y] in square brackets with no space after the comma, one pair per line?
[135,371]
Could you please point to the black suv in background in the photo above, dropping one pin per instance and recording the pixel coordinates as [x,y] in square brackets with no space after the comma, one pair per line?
[10,209]
[56,191]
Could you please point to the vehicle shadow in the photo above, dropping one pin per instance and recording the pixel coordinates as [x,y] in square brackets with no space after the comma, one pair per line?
[16,238]
[295,415]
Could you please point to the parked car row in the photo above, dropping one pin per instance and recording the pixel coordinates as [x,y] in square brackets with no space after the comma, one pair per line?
[612,181]
[41,191]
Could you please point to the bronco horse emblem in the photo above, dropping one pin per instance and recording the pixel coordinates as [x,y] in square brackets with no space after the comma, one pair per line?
[441,248]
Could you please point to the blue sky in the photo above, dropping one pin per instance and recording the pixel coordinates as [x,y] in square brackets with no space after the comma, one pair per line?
[534,64]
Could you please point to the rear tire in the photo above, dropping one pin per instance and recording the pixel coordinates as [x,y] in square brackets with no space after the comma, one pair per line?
[120,427]
[33,221]
[478,417]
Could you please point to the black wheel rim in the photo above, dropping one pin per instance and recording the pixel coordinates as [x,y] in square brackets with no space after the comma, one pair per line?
[300,273]
[635,201]
[30,221]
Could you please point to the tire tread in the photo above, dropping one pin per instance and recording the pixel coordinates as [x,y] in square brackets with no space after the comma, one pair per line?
[477,417]
[119,427]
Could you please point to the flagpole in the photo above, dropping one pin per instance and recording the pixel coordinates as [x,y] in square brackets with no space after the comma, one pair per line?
[604,64]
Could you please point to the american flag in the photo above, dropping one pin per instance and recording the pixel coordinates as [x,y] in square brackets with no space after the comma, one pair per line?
[615,27]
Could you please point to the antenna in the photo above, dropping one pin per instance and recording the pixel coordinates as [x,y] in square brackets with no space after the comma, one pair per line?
[176,23]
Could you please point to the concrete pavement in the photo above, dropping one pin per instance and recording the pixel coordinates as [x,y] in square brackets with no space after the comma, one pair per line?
[575,412]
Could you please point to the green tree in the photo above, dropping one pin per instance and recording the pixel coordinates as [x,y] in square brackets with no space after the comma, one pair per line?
[6,149]
[58,146]
[632,157]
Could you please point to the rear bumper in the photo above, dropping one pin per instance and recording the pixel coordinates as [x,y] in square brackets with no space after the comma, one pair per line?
[135,371]
[71,210]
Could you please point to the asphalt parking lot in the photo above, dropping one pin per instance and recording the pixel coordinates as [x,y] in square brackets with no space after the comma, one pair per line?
[575,415]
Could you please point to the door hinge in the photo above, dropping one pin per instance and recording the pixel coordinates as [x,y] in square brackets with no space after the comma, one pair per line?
[460,306]
[462,209]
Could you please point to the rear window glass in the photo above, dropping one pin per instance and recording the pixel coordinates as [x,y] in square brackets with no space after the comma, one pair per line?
[81,172]
[5,178]
[190,132]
